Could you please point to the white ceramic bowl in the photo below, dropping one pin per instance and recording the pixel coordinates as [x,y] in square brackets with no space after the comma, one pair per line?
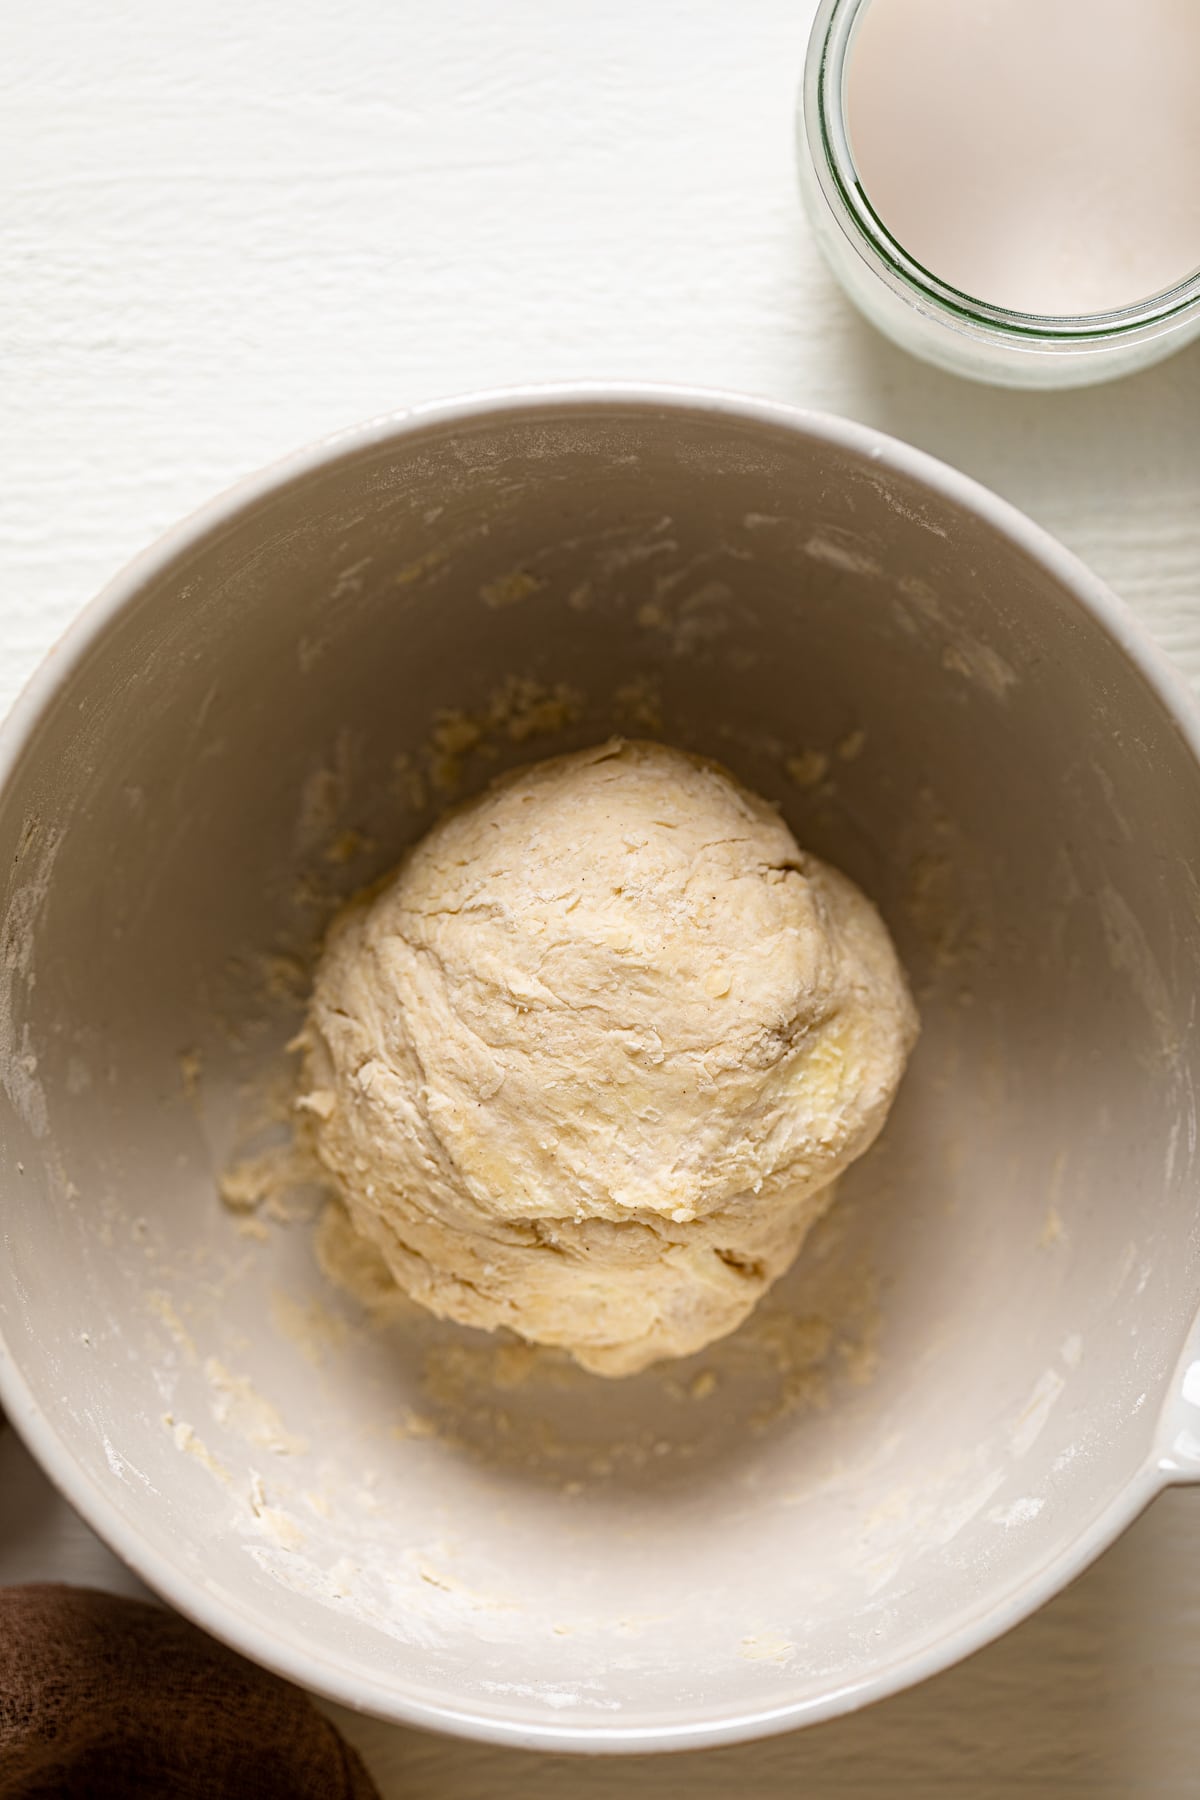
[992,1360]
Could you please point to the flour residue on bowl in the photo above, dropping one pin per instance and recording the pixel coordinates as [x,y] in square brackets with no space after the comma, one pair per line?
[36,855]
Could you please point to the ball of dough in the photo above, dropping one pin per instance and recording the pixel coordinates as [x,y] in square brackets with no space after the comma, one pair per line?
[587,1065]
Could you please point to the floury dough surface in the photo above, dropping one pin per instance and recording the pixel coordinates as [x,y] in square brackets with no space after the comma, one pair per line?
[588,1064]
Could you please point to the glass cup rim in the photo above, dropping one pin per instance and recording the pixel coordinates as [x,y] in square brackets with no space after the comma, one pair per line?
[824,120]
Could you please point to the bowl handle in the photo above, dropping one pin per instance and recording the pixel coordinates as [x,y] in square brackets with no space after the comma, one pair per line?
[1179,1428]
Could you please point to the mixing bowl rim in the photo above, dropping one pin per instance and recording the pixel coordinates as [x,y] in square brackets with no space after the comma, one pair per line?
[226,1620]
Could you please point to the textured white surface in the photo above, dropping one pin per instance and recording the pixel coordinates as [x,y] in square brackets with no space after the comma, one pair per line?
[227,230]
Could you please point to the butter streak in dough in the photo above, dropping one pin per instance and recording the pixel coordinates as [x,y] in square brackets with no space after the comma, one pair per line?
[589,1062]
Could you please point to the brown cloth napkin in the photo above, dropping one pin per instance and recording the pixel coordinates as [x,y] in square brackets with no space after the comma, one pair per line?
[103,1698]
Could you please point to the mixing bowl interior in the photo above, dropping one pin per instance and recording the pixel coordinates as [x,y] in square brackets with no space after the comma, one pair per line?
[961,1375]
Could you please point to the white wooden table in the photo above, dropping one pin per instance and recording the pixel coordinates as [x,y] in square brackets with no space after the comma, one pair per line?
[230,228]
